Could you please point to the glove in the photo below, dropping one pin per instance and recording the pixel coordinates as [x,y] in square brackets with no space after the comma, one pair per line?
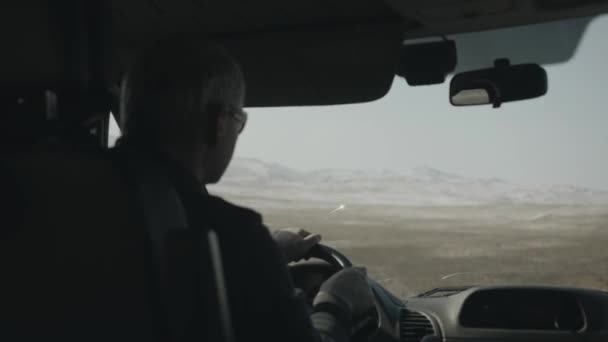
[295,243]
[346,291]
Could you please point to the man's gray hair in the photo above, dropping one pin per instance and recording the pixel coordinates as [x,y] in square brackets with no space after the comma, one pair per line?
[169,90]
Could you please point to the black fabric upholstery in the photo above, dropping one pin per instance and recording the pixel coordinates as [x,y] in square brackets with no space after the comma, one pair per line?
[73,256]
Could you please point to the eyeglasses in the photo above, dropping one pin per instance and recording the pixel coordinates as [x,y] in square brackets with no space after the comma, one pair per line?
[240,116]
[236,113]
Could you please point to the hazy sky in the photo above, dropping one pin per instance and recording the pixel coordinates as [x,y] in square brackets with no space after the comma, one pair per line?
[561,138]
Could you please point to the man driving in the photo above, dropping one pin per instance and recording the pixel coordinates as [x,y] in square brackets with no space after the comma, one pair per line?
[183,107]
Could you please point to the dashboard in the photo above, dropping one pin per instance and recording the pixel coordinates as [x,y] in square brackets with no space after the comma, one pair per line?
[477,313]
[495,313]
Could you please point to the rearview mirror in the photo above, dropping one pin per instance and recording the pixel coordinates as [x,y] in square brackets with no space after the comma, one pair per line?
[502,83]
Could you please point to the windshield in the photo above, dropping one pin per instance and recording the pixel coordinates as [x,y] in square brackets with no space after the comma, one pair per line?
[426,195]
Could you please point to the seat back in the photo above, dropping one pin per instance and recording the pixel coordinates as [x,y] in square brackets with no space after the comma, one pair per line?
[73,252]
[96,247]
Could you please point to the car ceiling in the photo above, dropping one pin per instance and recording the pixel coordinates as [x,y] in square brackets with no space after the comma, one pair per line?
[137,18]
[456,16]
[357,65]
[313,52]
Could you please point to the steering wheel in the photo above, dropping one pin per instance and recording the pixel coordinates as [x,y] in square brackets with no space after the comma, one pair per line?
[331,256]
[321,263]
[364,326]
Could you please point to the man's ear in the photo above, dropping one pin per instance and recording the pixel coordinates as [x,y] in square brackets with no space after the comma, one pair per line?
[218,128]
[222,126]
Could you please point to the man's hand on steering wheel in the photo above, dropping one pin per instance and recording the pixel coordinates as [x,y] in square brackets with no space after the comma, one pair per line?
[295,243]
[349,291]
[345,295]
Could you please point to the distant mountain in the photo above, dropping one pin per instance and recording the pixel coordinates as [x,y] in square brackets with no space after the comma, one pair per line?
[243,170]
[424,186]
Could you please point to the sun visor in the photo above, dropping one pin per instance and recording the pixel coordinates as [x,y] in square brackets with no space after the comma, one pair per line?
[318,67]
[545,43]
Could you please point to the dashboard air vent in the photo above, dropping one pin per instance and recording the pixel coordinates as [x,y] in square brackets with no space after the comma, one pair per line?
[414,326]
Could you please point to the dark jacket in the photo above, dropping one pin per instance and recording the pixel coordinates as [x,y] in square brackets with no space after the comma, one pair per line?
[261,295]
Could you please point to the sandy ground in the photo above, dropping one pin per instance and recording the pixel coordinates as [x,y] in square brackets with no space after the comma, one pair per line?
[413,249]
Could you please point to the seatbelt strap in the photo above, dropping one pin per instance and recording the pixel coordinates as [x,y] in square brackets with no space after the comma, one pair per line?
[164,213]
[220,286]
